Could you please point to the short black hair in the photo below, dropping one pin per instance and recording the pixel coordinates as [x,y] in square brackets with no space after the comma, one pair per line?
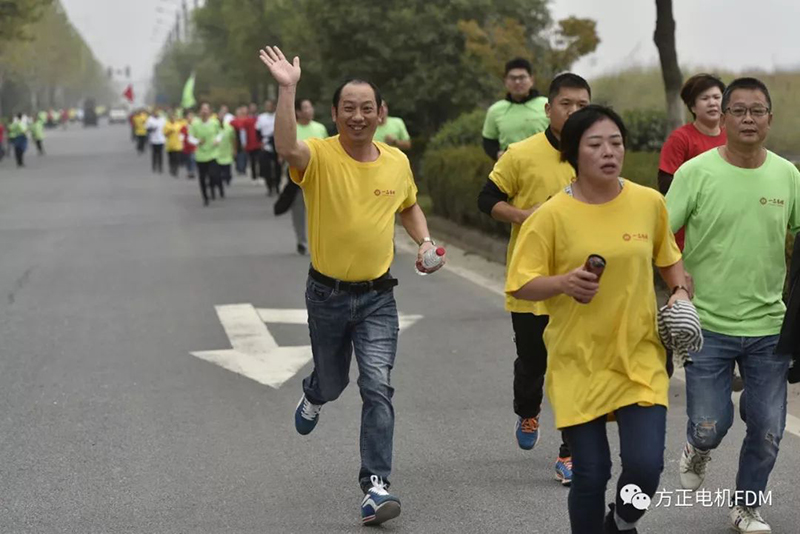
[518,63]
[298,104]
[578,123]
[697,85]
[337,95]
[745,83]
[570,80]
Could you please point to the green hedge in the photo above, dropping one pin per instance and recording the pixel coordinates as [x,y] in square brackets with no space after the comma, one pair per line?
[453,177]
[642,168]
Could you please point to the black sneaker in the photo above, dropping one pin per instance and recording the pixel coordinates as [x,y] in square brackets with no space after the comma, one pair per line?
[301,249]
[610,526]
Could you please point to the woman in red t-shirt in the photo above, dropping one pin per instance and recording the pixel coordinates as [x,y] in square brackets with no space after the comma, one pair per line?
[702,94]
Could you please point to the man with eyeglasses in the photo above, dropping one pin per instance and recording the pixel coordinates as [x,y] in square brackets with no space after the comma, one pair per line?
[520,115]
[736,203]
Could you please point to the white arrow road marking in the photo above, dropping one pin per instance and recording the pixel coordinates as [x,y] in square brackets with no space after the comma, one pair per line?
[300,316]
[255,353]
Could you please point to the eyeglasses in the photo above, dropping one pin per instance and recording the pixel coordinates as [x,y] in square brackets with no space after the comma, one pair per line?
[520,78]
[755,111]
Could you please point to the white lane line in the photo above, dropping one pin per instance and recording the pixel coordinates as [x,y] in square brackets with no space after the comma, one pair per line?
[792,422]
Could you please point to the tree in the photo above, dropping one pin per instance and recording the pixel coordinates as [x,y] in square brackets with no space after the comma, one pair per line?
[553,52]
[664,38]
[428,78]
[15,15]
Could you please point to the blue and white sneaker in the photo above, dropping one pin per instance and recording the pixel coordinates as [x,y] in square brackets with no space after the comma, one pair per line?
[306,416]
[527,432]
[378,504]
[564,470]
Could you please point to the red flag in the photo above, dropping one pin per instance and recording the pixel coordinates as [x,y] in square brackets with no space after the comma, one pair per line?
[129,93]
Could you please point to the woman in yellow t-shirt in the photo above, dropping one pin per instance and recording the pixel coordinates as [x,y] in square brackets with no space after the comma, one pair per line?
[605,360]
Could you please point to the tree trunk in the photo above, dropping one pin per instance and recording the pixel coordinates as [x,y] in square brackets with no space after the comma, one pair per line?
[664,38]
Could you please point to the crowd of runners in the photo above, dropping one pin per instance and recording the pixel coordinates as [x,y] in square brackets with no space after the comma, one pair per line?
[587,327]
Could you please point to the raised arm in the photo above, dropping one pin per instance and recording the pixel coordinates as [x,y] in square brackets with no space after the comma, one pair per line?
[287,75]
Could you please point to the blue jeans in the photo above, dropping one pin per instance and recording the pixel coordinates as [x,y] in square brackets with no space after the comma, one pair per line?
[339,323]
[762,406]
[642,431]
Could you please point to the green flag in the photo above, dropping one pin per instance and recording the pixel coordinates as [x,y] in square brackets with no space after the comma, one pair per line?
[188,100]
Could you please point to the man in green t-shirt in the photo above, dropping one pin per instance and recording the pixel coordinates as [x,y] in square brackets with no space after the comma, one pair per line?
[226,148]
[736,203]
[307,128]
[519,115]
[205,129]
[37,133]
[392,130]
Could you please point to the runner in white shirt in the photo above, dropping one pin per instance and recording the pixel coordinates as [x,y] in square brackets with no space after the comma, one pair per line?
[155,128]
[270,169]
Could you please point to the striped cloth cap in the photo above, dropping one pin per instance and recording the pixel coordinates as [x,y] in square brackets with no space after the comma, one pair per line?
[680,331]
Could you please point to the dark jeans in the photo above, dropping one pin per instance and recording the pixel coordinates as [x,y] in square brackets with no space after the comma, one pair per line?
[158,158]
[341,323]
[191,164]
[19,154]
[762,405]
[39,146]
[530,367]
[141,141]
[174,159]
[241,162]
[208,176]
[642,433]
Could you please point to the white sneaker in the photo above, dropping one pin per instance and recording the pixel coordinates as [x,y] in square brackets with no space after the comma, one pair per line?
[693,467]
[748,520]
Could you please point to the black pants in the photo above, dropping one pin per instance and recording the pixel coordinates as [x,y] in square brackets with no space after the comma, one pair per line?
[270,170]
[254,156]
[208,175]
[530,367]
[225,177]
[141,141]
[158,158]
[39,146]
[174,159]
[19,153]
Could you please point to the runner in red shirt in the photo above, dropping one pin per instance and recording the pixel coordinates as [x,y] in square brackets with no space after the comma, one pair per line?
[702,94]
[246,123]
[188,147]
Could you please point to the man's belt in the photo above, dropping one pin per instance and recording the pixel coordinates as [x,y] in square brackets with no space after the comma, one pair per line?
[379,284]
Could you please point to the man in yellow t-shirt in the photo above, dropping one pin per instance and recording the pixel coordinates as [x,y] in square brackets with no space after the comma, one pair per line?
[353,187]
[529,173]
[172,131]
[140,130]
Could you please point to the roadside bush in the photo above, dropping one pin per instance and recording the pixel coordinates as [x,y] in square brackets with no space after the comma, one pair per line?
[642,168]
[464,130]
[454,176]
[646,129]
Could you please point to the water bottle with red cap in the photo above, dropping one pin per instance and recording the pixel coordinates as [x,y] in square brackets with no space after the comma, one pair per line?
[431,259]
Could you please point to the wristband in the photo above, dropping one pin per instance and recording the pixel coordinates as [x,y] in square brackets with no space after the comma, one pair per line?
[427,240]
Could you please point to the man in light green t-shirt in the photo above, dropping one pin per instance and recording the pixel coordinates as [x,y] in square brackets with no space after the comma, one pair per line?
[205,129]
[307,128]
[37,133]
[736,203]
[519,115]
[226,148]
[392,130]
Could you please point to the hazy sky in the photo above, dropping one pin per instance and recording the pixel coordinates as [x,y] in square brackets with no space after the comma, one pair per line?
[736,34]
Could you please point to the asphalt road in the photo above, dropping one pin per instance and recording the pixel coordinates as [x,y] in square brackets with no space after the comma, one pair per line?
[109,280]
